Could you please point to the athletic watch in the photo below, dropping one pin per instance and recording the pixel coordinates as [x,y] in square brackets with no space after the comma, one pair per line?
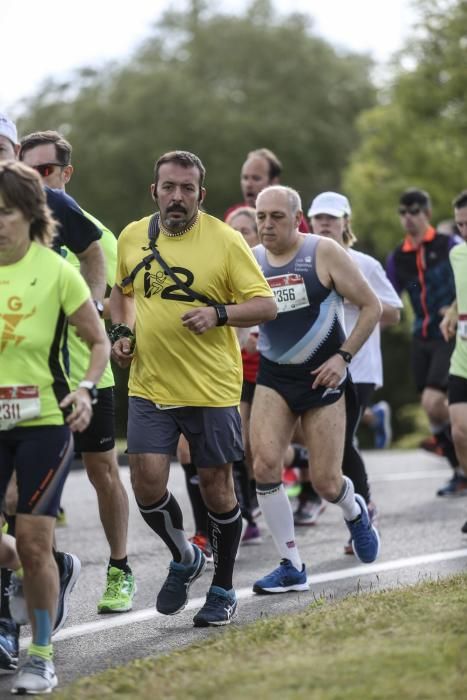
[92,388]
[346,356]
[99,307]
[221,312]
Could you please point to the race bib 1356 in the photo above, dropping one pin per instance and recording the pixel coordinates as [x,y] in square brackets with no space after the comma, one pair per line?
[289,292]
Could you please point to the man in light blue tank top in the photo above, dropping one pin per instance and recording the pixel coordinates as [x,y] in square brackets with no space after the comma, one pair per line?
[303,373]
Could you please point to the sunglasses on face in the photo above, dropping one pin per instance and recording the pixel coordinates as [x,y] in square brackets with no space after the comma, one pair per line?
[413,211]
[46,169]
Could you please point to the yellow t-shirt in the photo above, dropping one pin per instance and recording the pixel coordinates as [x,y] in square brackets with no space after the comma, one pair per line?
[37,293]
[78,351]
[172,365]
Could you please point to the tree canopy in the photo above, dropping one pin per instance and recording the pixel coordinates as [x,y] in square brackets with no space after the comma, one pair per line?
[416,135]
[217,85]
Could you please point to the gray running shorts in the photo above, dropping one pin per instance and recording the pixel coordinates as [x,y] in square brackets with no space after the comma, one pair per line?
[214,434]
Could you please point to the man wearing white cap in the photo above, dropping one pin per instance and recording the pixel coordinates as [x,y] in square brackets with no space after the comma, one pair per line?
[329,216]
[303,374]
[9,146]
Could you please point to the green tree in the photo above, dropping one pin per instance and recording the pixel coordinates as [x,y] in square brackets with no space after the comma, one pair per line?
[415,137]
[220,86]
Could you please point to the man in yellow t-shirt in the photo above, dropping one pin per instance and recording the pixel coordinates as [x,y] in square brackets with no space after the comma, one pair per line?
[186,369]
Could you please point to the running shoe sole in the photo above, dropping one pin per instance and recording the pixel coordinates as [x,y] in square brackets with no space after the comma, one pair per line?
[281,589]
[220,623]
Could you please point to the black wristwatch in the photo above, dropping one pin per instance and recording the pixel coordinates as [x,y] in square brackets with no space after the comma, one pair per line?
[346,356]
[92,388]
[99,307]
[221,312]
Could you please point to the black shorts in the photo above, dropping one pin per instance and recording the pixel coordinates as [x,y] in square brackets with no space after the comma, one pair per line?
[214,434]
[430,363]
[457,389]
[41,458]
[248,391]
[294,384]
[365,392]
[99,436]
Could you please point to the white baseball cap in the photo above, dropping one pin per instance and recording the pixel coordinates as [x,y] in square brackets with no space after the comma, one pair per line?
[8,129]
[331,203]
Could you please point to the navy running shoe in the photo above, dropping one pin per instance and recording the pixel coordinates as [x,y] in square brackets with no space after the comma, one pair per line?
[219,609]
[365,538]
[457,486]
[283,579]
[9,645]
[69,570]
[173,596]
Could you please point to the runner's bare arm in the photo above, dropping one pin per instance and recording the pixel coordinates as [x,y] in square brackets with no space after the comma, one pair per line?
[122,310]
[249,313]
[91,331]
[390,315]
[336,269]
[92,268]
[449,323]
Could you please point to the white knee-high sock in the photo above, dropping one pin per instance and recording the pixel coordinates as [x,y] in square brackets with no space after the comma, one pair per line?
[347,502]
[277,512]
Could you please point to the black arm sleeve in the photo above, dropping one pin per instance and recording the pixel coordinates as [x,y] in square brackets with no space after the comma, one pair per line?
[75,230]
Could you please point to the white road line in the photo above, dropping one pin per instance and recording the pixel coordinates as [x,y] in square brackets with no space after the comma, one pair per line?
[244,593]
[408,476]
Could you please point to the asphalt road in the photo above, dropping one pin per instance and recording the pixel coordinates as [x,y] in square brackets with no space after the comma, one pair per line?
[421,539]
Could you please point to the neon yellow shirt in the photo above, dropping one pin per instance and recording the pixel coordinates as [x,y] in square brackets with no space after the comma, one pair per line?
[37,293]
[78,352]
[172,365]
[458,259]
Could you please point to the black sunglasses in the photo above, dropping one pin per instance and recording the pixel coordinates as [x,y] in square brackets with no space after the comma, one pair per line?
[46,169]
[413,211]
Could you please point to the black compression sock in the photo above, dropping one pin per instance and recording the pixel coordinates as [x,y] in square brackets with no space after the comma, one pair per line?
[225,530]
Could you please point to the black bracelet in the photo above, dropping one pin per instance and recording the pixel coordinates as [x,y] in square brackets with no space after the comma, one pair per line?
[120,330]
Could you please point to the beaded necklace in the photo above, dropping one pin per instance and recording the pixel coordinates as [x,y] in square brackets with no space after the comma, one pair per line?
[175,234]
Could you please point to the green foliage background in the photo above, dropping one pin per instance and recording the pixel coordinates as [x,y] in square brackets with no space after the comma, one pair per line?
[222,85]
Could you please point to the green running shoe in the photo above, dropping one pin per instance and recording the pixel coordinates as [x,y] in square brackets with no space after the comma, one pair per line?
[119,592]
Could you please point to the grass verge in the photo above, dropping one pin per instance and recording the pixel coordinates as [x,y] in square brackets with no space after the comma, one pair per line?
[403,644]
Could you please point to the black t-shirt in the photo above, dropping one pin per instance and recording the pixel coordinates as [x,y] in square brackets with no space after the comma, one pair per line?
[75,230]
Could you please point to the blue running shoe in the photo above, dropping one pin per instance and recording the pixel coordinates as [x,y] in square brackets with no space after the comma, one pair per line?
[9,645]
[219,609]
[284,578]
[457,486]
[382,427]
[173,596]
[365,538]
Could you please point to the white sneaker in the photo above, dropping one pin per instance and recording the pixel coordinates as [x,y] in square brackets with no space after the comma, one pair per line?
[35,676]
[309,511]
